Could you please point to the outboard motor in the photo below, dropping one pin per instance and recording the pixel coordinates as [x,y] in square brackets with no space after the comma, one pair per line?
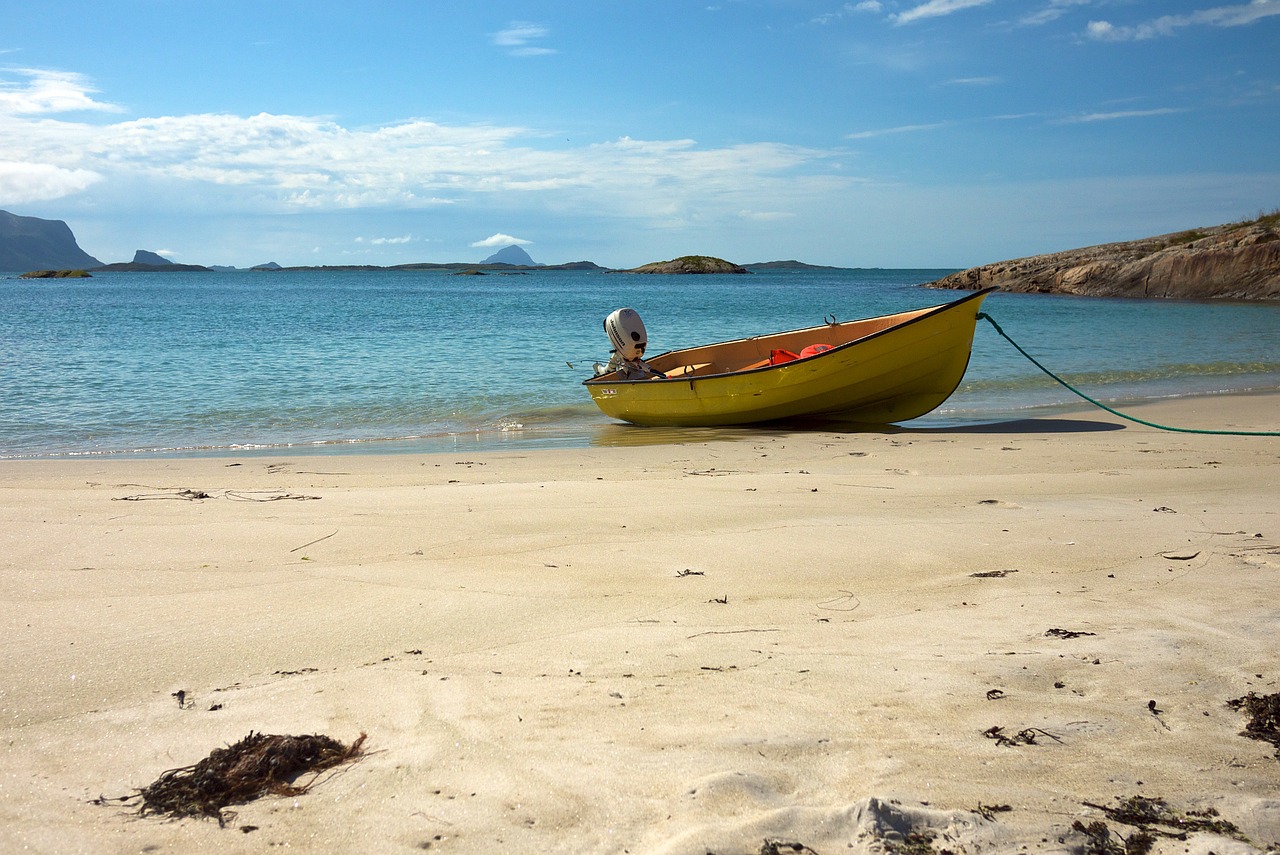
[627,334]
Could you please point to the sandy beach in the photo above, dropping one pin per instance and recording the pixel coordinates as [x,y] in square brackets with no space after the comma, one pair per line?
[960,640]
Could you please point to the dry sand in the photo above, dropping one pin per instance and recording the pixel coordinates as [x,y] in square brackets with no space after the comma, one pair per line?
[776,641]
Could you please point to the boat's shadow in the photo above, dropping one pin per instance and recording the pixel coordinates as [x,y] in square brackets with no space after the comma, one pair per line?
[633,435]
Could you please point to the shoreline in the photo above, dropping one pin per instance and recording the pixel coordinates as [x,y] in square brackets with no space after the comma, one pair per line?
[665,648]
[605,432]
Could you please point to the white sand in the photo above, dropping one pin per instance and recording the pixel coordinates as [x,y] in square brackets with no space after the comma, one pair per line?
[656,649]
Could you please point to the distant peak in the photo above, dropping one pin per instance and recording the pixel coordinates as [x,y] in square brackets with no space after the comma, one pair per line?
[143,256]
[511,255]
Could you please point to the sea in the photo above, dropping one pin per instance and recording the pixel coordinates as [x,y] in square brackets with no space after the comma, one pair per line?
[395,361]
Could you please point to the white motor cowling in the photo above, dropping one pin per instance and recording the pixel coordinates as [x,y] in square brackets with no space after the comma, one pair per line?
[626,333]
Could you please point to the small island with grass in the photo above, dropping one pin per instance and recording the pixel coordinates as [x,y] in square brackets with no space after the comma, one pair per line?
[699,264]
[56,274]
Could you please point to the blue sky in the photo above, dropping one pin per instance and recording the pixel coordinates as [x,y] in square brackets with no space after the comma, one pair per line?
[945,133]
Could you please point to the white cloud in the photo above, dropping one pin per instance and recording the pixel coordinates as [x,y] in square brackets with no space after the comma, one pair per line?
[386,241]
[1220,16]
[38,182]
[42,91]
[518,35]
[935,9]
[270,163]
[501,240]
[45,91]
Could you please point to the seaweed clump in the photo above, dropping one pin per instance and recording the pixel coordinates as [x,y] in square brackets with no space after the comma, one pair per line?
[1098,840]
[1264,717]
[1151,817]
[258,765]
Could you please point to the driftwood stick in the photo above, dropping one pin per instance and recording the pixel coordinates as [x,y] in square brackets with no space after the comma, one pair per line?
[317,540]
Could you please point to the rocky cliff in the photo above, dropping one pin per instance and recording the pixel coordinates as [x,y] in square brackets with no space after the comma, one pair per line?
[30,243]
[1240,261]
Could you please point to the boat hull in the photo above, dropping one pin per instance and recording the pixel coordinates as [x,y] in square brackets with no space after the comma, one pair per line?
[879,371]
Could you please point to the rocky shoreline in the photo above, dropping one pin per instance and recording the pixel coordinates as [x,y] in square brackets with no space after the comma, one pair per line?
[1239,261]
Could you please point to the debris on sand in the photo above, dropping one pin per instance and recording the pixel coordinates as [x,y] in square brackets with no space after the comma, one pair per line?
[258,765]
[1264,717]
[1067,633]
[1152,817]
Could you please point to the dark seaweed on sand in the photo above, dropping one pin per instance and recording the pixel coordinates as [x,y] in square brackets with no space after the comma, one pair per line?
[1151,816]
[1264,717]
[258,765]
[1099,840]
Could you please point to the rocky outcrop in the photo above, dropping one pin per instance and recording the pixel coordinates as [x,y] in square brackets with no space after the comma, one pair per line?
[689,264]
[56,274]
[1240,261]
[30,243]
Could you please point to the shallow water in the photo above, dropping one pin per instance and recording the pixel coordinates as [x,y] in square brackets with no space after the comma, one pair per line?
[388,361]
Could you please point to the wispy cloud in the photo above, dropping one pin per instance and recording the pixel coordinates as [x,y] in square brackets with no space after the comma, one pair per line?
[974,81]
[501,240]
[1122,114]
[766,216]
[935,9]
[865,7]
[1220,16]
[901,129]
[517,38]
[40,91]
[1055,10]
[386,241]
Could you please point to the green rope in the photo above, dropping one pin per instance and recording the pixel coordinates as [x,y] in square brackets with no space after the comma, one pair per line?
[1103,406]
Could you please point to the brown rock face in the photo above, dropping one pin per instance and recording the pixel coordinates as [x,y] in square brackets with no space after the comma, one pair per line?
[1232,262]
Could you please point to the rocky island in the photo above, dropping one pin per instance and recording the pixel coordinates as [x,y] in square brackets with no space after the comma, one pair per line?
[689,264]
[56,274]
[1238,261]
[146,261]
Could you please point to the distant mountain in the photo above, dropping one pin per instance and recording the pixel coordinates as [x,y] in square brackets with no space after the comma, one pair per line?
[511,255]
[143,256]
[30,243]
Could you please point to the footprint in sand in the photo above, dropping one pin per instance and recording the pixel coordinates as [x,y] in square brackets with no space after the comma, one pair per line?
[999,503]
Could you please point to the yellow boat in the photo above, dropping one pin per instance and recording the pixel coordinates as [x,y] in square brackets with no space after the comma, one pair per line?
[874,371]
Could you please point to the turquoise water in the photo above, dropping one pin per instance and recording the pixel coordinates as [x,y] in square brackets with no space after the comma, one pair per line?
[346,361]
